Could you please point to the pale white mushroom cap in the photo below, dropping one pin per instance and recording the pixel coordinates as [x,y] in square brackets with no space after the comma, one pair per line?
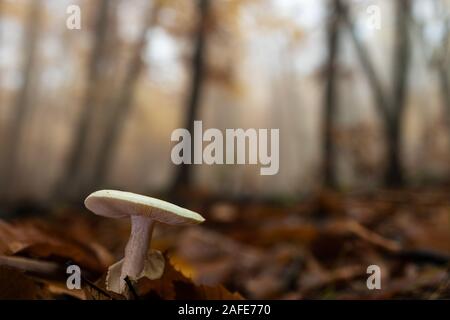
[121,204]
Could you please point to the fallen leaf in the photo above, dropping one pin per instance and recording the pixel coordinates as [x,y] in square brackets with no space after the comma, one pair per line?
[15,285]
[171,286]
[36,239]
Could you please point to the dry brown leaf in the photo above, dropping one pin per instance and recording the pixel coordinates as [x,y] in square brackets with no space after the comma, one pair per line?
[171,286]
[15,285]
[36,239]
[174,285]
[60,289]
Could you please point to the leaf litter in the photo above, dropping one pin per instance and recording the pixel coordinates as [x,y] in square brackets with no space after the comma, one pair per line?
[318,248]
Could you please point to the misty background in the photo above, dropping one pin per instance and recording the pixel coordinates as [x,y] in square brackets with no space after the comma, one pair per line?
[93,108]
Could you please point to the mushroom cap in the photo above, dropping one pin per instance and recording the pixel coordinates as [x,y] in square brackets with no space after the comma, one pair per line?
[121,204]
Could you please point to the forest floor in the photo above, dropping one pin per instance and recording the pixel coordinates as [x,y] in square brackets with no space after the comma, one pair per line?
[319,248]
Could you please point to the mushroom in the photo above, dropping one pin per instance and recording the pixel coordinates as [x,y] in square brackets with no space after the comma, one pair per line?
[144,212]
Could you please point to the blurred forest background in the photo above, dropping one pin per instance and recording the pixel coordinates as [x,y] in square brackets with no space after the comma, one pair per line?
[363,108]
[358,107]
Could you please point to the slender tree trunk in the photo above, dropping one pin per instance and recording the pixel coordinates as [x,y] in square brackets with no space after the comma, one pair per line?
[439,59]
[444,73]
[69,182]
[331,94]
[390,105]
[183,174]
[123,104]
[22,103]
[378,94]
[444,82]
[394,175]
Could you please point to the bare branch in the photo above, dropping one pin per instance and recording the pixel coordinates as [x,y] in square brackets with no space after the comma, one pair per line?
[375,83]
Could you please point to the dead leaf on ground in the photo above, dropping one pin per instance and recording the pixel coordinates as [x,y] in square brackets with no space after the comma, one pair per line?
[36,239]
[16,285]
[172,285]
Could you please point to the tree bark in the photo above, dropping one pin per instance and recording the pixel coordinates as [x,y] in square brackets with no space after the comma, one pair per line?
[22,103]
[444,73]
[183,174]
[331,94]
[394,175]
[69,182]
[390,105]
[445,90]
[363,54]
[122,106]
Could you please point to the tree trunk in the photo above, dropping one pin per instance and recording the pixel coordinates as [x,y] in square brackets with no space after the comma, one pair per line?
[22,103]
[183,174]
[378,94]
[444,73]
[123,104]
[394,175]
[69,182]
[331,94]
[390,105]
[444,82]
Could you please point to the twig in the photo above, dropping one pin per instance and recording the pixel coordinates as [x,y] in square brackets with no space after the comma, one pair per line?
[395,249]
[373,237]
[94,286]
[91,284]
[424,256]
[43,268]
[131,288]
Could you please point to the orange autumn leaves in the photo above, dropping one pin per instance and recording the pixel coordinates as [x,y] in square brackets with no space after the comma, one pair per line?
[313,249]
[34,254]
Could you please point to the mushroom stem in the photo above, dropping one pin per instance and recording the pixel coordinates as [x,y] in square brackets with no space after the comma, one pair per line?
[137,246]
